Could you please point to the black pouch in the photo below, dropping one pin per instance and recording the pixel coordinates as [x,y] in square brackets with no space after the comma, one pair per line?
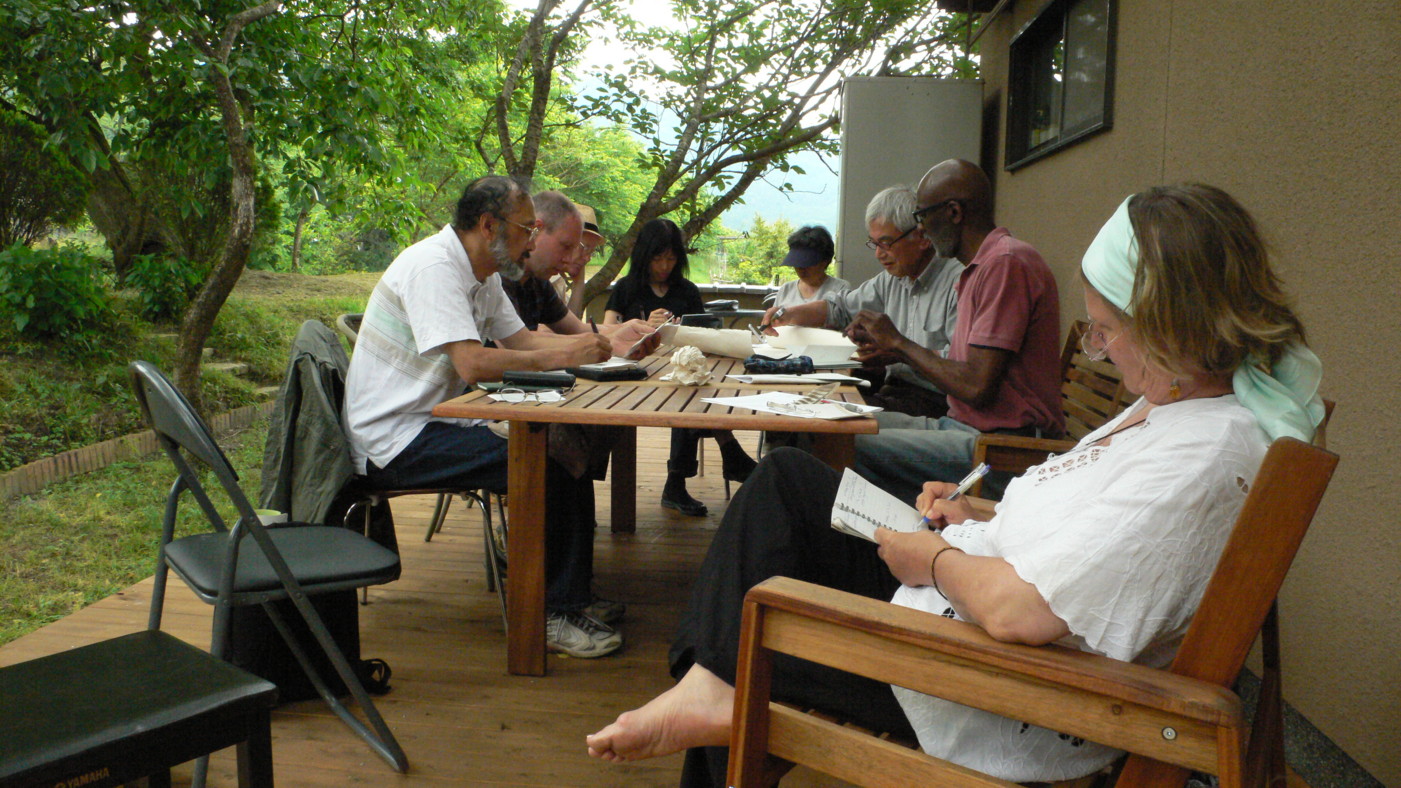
[793,365]
[603,372]
[523,378]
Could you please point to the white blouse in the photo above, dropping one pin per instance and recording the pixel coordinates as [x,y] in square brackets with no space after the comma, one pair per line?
[1120,541]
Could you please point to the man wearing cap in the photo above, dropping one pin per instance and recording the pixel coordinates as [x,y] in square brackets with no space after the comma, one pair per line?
[915,290]
[570,282]
[810,251]
[1002,370]
[579,622]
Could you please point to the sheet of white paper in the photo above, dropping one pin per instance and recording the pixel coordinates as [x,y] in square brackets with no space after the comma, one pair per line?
[862,507]
[819,377]
[775,402]
[731,342]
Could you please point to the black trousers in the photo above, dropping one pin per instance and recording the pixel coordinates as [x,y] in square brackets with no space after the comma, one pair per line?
[779,523]
[685,445]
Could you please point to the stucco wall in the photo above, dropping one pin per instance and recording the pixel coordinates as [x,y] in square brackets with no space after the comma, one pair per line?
[1295,108]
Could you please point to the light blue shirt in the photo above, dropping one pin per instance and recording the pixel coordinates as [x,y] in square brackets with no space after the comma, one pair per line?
[923,309]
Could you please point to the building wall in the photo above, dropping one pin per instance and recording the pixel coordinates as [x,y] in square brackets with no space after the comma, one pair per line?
[1295,108]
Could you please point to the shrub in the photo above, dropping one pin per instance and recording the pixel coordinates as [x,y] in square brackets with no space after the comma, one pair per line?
[39,189]
[54,293]
[163,285]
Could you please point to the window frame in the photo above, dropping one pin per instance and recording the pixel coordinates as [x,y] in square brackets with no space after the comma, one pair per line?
[1052,19]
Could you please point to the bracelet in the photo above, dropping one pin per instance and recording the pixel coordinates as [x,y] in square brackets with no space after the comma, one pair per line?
[933,579]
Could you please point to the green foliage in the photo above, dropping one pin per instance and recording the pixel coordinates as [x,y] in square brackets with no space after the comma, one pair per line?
[39,189]
[54,293]
[758,258]
[163,287]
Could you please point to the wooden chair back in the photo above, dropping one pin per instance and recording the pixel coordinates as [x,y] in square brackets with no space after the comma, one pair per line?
[1092,393]
[1183,716]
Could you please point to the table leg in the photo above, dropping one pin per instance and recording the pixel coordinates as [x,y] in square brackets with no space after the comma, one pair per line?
[623,477]
[836,449]
[525,550]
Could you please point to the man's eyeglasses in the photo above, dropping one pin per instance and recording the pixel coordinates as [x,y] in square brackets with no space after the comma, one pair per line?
[514,396]
[884,246]
[534,230]
[922,212]
[1094,345]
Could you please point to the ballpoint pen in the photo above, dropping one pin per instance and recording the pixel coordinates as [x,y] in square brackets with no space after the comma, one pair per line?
[593,325]
[963,487]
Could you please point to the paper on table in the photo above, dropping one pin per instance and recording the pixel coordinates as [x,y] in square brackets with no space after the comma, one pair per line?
[781,402]
[808,378]
[731,342]
[862,507]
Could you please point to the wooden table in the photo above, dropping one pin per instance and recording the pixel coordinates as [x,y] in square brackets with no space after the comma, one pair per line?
[627,405]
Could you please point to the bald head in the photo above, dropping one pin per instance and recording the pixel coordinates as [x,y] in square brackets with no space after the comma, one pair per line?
[957,179]
[954,206]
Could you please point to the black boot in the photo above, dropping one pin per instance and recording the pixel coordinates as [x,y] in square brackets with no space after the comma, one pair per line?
[735,462]
[674,496]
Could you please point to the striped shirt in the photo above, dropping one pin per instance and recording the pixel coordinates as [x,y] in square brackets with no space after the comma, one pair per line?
[427,298]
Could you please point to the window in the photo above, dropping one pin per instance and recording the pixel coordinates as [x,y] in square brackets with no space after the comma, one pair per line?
[1061,79]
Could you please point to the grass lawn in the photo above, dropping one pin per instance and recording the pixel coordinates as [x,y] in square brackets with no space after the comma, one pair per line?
[85,538]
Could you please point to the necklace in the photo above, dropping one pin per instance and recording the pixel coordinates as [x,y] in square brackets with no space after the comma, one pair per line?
[1119,429]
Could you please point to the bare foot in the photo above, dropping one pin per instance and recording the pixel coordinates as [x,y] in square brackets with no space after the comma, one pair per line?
[697,712]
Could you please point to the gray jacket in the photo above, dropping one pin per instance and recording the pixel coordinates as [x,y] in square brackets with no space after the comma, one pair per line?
[306,460]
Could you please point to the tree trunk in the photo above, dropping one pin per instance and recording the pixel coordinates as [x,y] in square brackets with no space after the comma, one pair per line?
[126,221]
[297,238]
[199,316]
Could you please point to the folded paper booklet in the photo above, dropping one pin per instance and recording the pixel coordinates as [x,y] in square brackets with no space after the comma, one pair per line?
[862,507]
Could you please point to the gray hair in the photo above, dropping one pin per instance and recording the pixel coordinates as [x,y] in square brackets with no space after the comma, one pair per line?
[895,205]
[552,208]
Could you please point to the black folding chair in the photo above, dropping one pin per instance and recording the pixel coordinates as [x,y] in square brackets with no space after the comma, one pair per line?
[249,564]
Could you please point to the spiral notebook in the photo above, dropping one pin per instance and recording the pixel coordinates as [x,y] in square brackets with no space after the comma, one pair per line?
[862,507]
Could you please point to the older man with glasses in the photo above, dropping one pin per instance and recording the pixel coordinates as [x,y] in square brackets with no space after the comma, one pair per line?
[427,336]
[915,290]
[1002,370]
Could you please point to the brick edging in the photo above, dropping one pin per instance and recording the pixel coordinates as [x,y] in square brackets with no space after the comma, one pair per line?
[35,476]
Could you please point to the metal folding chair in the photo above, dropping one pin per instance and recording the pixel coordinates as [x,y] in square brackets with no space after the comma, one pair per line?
[249,564]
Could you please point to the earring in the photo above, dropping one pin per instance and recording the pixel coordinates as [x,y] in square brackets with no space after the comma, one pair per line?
[1175,389]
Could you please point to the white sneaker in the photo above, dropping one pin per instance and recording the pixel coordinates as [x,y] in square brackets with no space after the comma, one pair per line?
[580,635]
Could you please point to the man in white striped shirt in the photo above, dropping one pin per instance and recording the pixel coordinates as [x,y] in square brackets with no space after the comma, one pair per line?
[422,341]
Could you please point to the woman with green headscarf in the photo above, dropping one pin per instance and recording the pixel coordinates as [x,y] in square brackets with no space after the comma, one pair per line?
[1107,548]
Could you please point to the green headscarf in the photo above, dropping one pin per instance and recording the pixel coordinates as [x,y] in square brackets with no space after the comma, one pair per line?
[1284,398]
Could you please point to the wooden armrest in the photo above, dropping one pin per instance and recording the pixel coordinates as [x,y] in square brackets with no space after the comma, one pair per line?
[1017,444]
[983,508]
[1165,716]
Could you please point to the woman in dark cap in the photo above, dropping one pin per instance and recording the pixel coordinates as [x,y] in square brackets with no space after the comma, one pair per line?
[810,251]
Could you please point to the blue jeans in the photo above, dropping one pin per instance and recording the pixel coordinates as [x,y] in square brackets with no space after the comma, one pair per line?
[450,455]
[911,450]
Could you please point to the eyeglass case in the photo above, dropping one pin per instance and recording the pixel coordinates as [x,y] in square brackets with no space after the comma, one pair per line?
[523,378]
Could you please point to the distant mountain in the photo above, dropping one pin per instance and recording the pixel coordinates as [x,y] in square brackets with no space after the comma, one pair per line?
[813,201]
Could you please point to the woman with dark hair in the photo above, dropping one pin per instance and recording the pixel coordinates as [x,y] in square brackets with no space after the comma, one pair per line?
[1106,548]
[810,251]
[656,289]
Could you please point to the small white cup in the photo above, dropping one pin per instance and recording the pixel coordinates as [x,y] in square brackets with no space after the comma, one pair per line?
[270,516]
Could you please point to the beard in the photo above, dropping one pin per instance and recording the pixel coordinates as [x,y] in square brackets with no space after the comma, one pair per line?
[946,241]
[501,255]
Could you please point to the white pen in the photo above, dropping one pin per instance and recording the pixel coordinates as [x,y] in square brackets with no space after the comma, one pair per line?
[970,480]
[963,487]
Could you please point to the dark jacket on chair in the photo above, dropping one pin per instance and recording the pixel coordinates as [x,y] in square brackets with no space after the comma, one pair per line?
[306,461]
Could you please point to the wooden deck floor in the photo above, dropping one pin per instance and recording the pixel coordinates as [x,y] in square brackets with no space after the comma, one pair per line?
[460,717]
[462,720]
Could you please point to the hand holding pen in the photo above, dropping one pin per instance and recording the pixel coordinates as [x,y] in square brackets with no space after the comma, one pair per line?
[963,487]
